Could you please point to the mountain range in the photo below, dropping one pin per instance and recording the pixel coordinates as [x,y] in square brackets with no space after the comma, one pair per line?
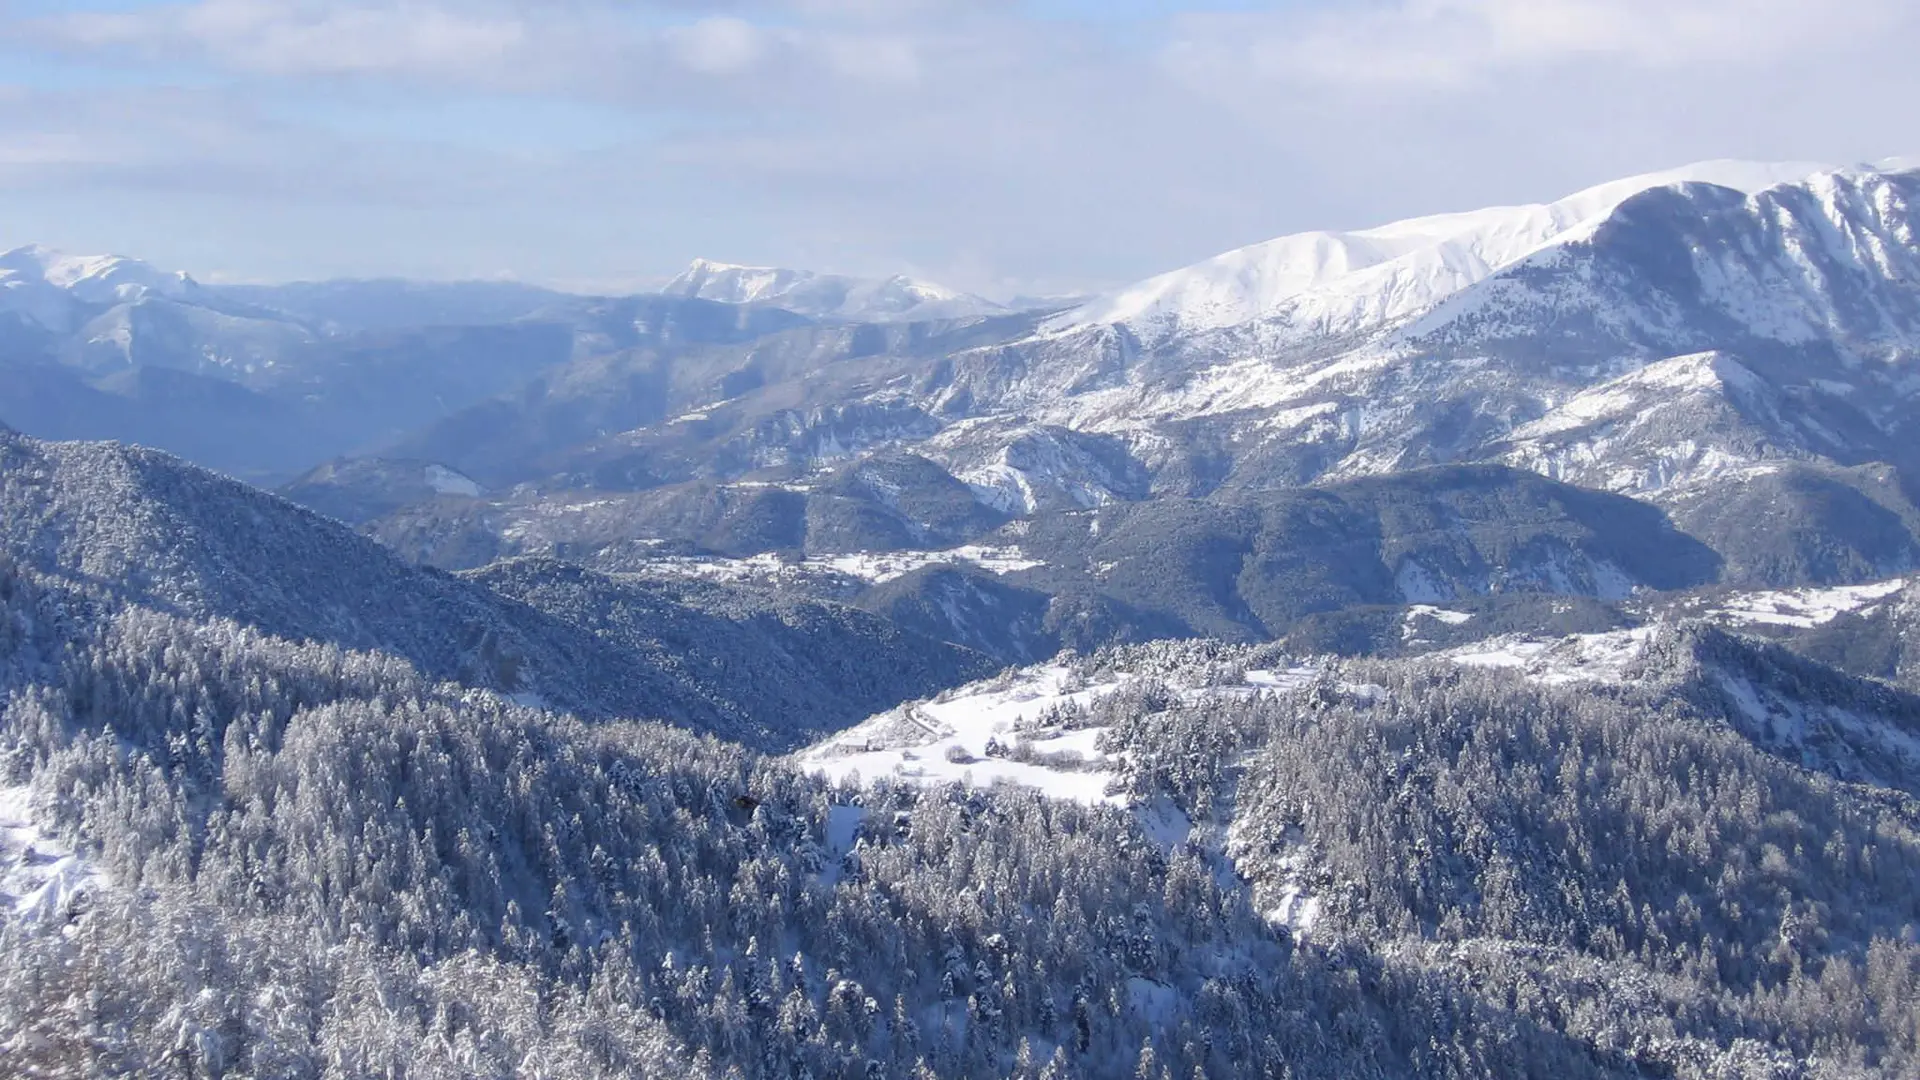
[1718,341]
[1478,646]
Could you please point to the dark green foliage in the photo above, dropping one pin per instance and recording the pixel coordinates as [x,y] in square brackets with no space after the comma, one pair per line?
[787,670]
[1801,525]
[1248,570]
[975,609]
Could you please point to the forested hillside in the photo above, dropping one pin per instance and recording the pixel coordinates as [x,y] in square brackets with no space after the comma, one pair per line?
[129,526]
[291,859]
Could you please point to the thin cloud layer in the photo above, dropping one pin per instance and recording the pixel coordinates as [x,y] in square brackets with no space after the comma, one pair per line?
[594,141]
[1457,44]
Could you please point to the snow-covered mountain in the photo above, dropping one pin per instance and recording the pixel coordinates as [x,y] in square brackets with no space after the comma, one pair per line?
[93,279]
[1339,282]
[54,291]
[1652,337]
[1658,337]
[828,296]
[107,313]
[1692,419]
[1329,368]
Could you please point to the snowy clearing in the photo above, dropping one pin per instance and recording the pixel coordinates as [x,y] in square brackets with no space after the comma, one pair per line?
[1555,661]
[1426,613]
[988,732]
[40,877]
[1801,609]
[873,568]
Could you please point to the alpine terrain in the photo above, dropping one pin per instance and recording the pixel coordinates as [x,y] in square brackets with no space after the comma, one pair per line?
[1477,646]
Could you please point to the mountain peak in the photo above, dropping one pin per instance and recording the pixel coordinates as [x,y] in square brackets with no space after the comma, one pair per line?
[715,266]
[835,297]
[90,278]
[731,283]
[1341,281]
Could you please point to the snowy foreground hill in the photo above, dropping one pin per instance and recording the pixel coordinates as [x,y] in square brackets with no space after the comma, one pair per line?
[1207,859]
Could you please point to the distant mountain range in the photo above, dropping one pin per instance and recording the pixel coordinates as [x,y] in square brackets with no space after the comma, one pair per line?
[828,296]
[1727,342]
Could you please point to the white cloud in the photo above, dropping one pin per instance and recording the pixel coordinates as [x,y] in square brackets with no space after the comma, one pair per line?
[722,45]
[304,37]
[587,48]
[952,135]
[1460,43]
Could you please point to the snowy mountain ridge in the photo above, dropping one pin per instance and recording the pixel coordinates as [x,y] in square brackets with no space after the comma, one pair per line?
[51,289]
[1807,286]
[91,278]
[1342,280]
[827,296]
[1652,337]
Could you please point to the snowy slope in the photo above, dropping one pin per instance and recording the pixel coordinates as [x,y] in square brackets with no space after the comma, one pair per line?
[1791,609]
[1677,422]
[1832,259]
[1553,661]
[1341,281]
[827,296]
[41,879]
[1004,730]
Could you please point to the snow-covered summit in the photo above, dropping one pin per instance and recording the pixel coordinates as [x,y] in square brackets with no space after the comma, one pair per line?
[729,283]
[827,296]
[1343,281]
[54,290]
[92,279]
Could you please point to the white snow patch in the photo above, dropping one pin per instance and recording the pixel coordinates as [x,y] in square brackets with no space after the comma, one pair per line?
[1152,1001]
[40,877]
[1801,608]
[1296,908]
[447,482]
[1418,586]
[843,828]
[947,739]
[1410,626]
[873,568]
[1556,661]
[878,568]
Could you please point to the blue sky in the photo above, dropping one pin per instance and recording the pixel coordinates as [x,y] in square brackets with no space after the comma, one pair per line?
[1001,145]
